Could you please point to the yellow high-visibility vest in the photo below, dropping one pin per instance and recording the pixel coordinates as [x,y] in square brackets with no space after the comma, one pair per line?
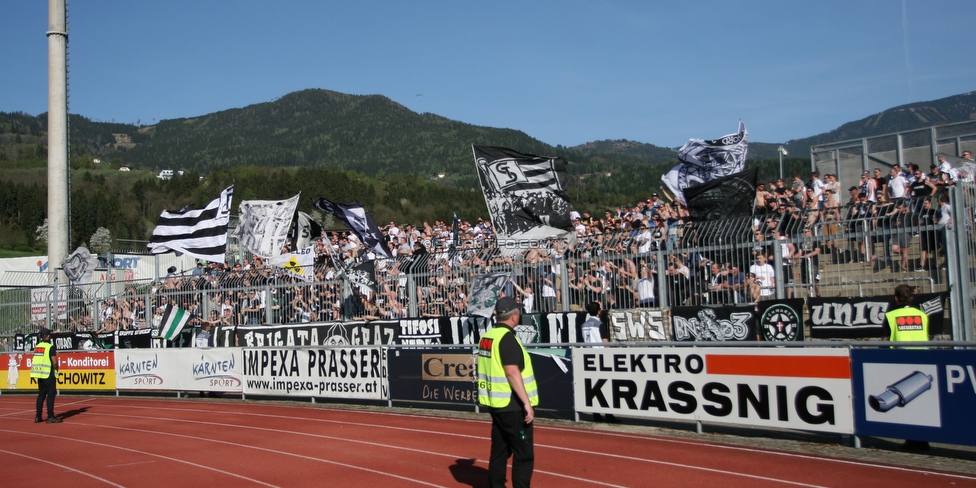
[493,387]
[41,363]
[908,324]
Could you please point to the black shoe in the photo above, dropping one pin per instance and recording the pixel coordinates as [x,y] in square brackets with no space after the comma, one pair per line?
[38,420]
[53,420]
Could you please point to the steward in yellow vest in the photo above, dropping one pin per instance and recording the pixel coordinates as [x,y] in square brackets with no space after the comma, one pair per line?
[44,369]
[508,390]
[906,323]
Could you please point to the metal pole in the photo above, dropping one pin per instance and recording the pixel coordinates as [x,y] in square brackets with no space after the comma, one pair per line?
[57,135]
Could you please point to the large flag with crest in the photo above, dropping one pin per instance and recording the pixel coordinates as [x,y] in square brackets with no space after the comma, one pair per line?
[201,233]
[357,219]
[525,194]
[726,197]
[265,224]
[704,161]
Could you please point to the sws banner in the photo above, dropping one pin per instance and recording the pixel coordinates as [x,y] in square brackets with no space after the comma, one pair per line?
[639,325]
[863,317]
[782,388]
[186,369]
[720,324]
[339,372]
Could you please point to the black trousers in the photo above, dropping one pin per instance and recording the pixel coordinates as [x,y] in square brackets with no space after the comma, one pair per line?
[47,388]
[506,440]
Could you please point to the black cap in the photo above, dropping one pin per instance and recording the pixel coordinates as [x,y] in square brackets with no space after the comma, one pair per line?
[506,304]
[43,332]
[853,188]
[172,269]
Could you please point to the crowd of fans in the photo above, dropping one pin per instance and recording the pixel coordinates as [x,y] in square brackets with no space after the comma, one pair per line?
[613,260]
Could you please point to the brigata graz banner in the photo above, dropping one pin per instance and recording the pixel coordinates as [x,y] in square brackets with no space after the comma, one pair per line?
[334,372]
[186,369]
[861,317]
[783,388]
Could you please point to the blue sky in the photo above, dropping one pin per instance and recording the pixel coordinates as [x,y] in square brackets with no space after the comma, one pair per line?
[565,72]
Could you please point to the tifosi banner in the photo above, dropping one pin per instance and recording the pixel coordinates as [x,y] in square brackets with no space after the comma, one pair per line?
[783,388]
[340,372]
[185,369]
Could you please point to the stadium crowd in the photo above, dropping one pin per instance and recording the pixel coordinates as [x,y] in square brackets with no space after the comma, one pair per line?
[613,260]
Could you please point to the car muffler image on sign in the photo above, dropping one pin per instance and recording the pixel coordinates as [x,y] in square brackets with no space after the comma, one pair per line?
[901,392]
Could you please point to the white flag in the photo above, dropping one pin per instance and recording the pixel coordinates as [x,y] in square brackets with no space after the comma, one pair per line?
[264,225]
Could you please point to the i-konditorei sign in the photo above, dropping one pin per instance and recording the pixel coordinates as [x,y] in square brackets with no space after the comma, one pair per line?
[791,388]
[339,372]
[185,369]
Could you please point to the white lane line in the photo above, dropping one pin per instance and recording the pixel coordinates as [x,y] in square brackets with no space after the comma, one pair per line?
[326,437]
[130,464]
[130,450]
[103,480]
[21,412]
[263,449]
[583,431]
[704,443]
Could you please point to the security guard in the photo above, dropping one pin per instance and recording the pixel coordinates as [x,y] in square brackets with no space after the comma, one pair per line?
[907,323]
[507,388]
[44,367]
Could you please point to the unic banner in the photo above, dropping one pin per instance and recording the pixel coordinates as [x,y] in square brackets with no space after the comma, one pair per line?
[862,317]
[76,371]
[217,369]
[341,372]
[790,388]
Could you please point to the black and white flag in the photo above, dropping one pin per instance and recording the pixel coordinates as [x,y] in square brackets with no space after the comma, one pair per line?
[727,197]
[305,231]
[525,194]
[264,225]
[363,276]
[201,233]
[704,161]
[357,219]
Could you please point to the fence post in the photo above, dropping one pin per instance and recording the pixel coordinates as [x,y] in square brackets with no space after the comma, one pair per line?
[565,301]
[781,277]
[663,300]
[958,267]
[412,292]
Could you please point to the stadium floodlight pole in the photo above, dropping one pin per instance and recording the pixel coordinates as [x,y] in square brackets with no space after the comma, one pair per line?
[57,134]
[782,152]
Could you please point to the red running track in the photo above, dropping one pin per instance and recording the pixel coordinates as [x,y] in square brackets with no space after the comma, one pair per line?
[109,441]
